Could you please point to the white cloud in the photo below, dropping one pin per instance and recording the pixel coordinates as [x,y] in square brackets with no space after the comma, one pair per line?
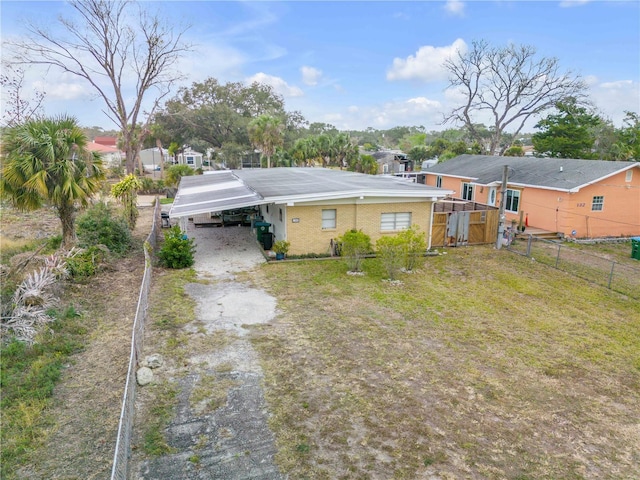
[573,3]
[614,98]
[413,111]
[310,75]
[278,84]
[426,64]
[454,7]
[63,90]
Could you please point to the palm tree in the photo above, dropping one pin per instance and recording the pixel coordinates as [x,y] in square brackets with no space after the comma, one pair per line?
[265,132]
[45,162]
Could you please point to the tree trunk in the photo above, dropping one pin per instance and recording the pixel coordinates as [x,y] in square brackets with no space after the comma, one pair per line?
[66,214]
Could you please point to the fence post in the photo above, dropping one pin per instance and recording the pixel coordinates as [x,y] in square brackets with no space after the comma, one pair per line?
[529,241]
[613,264]
[558,256]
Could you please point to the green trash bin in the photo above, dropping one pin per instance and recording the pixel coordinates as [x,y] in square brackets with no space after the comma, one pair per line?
[635,248]
[261,227]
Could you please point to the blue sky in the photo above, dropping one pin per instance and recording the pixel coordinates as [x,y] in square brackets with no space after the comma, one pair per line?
[369,64]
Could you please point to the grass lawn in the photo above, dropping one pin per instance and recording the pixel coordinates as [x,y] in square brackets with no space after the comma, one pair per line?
[483,364]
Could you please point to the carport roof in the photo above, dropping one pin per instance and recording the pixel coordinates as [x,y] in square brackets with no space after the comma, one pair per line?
[231,189]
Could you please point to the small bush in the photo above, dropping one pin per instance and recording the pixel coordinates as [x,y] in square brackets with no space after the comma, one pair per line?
[391,253]
[414,247]
[86,263]
[177,250]
[354,246]
[98,226]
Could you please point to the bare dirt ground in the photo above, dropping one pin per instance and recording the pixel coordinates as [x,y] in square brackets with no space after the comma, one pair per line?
[87,400]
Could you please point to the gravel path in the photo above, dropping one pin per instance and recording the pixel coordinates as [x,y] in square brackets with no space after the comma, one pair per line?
[239,442]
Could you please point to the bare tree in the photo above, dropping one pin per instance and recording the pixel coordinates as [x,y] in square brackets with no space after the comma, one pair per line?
[511,84]
[109,44]
[18,106]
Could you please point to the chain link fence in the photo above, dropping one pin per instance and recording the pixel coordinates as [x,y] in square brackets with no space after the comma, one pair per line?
[614,275]
[120,470]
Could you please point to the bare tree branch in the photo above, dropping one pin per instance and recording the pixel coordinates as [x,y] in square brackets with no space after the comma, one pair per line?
[510,84]
[107,45]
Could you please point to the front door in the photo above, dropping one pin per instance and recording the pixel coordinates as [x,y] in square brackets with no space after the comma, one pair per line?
[491,198]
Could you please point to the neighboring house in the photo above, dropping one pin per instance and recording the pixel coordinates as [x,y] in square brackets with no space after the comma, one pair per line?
[576,198]
[311,207]
[151,158]
[191,158]
[111,156]
[107,141]
[392,162]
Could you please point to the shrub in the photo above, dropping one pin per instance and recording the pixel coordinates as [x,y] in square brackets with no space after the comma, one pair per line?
[98,226]
[391,251]
[414,246]
[86,262]
[177,250]
[354,246]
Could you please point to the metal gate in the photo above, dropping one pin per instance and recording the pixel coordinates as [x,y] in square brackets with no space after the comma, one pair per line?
[457,229]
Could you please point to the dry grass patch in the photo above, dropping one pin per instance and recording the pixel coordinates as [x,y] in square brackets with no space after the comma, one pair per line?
[483,365]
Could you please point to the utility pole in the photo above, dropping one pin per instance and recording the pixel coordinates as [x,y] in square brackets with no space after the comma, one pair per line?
[501,218]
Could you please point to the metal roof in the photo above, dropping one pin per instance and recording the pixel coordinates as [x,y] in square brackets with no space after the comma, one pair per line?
[231,189]
[566,174]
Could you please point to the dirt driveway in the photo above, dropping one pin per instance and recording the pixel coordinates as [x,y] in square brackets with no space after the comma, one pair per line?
[232,440]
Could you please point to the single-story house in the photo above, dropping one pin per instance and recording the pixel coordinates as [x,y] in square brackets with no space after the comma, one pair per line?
[310,207]
[191,158]
[151,158]
[111,156]
[575,198]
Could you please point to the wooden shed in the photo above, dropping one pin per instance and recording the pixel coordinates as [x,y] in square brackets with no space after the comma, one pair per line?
[459,222]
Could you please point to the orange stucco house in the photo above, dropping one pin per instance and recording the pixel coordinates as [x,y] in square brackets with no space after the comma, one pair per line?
[576,198]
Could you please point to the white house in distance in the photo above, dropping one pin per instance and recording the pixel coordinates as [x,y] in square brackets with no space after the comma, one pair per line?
[111,156]
[151,158]
[191,158]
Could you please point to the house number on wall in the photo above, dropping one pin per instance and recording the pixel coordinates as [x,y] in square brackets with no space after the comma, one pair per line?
[581,204]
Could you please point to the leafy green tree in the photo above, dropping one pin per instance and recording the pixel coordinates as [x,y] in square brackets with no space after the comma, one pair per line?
[419,153]
[265,132]
[176,172]
[628,146]
[215,114]
[46,162]
[364,164]
[567,134]
[514,151]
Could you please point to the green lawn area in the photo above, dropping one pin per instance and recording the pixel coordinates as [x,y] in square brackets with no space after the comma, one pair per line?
[483,364]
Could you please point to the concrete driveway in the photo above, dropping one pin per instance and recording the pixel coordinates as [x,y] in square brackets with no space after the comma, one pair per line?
[238,443]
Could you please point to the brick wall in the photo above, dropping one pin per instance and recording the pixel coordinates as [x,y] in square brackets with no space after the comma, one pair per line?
[304,223]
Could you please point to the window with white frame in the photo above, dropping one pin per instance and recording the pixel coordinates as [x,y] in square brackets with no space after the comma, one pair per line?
[439,181]
[329,218]
[191,160]
[512,201]
[629,176]
[395,221]
[597,203]
[467,191]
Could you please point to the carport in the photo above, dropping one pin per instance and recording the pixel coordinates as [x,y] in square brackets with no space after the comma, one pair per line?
[212,192]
